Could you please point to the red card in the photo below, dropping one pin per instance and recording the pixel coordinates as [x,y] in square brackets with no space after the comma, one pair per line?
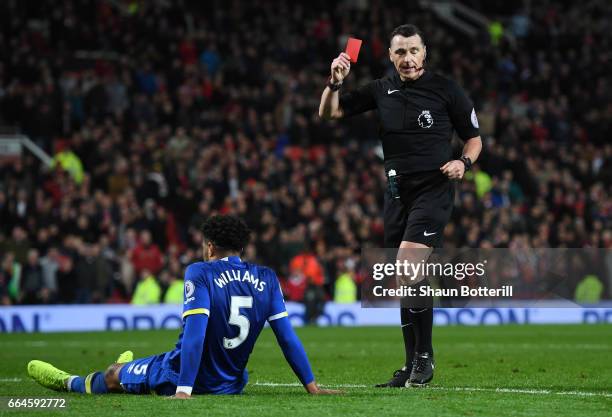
[352,48]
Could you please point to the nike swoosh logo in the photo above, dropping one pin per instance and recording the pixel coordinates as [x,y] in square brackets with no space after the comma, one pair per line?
[389,91]
[429,234]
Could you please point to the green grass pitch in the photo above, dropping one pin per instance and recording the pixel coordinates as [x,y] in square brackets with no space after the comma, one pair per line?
[562,370]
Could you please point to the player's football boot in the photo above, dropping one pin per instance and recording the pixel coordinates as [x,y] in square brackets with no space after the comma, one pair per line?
[399,380]
[422,369]
[125,357]
[48,375]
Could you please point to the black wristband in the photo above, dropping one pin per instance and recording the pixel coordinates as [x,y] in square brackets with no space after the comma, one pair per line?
[467,162]
[333,86]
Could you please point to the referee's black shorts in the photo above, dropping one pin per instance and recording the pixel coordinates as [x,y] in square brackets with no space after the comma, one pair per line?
[422,210]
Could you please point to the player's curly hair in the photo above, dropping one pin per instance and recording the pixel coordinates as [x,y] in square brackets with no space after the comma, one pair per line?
[226,232]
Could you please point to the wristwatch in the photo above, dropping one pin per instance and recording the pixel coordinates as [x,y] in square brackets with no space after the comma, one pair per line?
[333,86]
[467,162]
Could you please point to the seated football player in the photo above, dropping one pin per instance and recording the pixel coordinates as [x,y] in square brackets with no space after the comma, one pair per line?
[227,302]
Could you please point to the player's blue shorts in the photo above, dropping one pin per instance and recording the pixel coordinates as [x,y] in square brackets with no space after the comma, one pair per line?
[146,375]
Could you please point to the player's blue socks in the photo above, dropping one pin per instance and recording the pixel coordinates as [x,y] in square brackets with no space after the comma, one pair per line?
[93,383]
[76,384]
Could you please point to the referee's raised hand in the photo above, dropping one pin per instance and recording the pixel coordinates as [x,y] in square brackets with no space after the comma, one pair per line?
[340,68]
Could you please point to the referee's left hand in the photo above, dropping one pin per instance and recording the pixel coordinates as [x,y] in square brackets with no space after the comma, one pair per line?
[454,170]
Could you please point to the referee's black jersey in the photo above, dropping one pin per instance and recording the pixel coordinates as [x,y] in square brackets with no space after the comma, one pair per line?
[416,118]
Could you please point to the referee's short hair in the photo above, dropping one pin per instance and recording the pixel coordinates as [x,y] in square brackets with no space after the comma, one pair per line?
[407,30]
[226,232]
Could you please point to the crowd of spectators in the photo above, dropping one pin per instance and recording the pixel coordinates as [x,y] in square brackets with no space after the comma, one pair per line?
[159,114]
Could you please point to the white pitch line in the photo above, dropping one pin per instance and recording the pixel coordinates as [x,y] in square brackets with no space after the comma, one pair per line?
[10,379]
[71,344]
[526,391]
[542,346]
[469,389]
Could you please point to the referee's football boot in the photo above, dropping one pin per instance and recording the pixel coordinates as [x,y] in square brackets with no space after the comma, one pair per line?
[400,379]
[422,369]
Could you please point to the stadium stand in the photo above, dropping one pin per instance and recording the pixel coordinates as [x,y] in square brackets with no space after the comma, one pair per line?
[159,114]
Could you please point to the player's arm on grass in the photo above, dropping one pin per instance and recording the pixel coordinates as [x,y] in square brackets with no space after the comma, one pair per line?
[195,315]
[296,355]
[290,344]
[192,345]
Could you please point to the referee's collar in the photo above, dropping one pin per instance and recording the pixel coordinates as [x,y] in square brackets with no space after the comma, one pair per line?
[409,83]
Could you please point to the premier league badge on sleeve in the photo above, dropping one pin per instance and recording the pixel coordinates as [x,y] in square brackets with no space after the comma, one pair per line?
[189,290]
[425,119]
[474,119]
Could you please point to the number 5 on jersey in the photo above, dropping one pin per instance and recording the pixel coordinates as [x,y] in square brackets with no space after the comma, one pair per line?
[237,319]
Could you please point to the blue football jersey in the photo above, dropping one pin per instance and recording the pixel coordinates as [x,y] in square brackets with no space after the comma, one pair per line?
[238,297]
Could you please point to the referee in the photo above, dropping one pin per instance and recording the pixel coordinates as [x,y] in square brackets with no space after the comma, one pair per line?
[418,111]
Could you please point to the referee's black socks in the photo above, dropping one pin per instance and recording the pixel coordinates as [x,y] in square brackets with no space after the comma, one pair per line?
[423,328]
[409,335]
[417,328]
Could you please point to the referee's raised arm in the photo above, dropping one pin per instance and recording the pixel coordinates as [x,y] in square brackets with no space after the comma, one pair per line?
[329,108]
